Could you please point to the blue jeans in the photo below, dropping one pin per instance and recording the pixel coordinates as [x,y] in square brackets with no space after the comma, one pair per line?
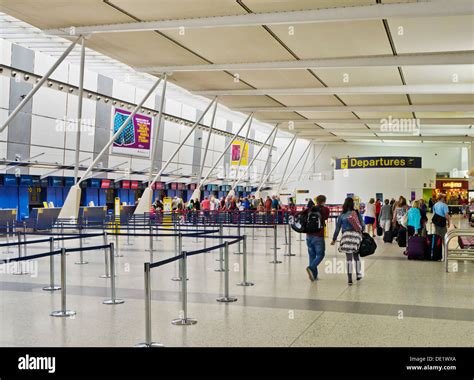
[316,252]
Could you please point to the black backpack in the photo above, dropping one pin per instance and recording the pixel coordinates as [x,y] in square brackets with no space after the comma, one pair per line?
[367,245]
[314,222]
[308,221]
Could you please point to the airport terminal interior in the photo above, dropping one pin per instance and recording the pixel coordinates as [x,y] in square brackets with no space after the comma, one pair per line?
[229,160]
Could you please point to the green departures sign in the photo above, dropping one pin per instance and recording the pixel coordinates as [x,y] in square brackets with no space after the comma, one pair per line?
[378,162]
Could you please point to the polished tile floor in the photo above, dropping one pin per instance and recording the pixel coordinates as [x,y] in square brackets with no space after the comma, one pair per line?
[398,303]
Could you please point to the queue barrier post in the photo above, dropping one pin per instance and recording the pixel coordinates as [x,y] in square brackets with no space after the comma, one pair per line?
[148,342]
[289,253]
[179,277]
[221,250]
[226,297]
[244,264]
[8,238]
[106,258]
[239,251]
[25,252]
[128,233]
[183,319]
[113,299]
[275,258]
[81,254]
[117,246]
[19,265]
[286,236]
[63,312]
[51,287]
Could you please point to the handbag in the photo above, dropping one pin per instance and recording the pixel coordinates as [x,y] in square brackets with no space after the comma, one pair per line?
[438,220]
[367,245]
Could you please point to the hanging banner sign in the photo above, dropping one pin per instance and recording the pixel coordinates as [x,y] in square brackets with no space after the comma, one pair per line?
[237,151]
[135,139]
[378,162]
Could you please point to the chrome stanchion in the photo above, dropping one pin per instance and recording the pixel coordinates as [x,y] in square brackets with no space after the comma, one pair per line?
[51,287]
[179,277]
[8,239]
[148,342]
[244,281]
[226,297]
[19,266]
[150,241]
[239,251]
[117,249]
[275,258]
[289,253]
[62,235]
[113,300]
[63,312]
[221,251]
[183,320]
[25,251]
[128,233]
[81,254]
[106,258]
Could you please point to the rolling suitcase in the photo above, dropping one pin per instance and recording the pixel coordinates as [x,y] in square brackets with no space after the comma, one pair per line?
[433,247]
[388,236]
[402,237]
[416,248]
[379,230]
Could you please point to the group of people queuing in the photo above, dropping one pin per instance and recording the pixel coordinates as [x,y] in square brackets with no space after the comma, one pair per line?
[391,215]
[229,203]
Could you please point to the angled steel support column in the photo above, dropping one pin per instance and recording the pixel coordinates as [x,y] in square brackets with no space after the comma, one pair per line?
[274,167]
[147,194]
[222,155]
[305,160]
[242,152]
[201,169]
[155,134]
[286,166]
[254,158]
[79,109]
[38,85]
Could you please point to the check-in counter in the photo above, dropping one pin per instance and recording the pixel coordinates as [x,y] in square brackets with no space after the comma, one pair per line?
[45,217]
[92,215]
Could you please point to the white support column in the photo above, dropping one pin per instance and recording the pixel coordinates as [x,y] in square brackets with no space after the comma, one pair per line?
[70,208]
[155,134]
[79,109]
[38,85]
[285,181]
[145,201]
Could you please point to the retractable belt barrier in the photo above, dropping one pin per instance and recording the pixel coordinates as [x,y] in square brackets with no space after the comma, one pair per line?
[183,319]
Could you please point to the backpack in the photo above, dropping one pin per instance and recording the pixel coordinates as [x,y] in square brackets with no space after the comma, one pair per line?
[308,221]
[314,220]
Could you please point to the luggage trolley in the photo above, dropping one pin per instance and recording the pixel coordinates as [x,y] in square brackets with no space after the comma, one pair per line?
[465,249]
